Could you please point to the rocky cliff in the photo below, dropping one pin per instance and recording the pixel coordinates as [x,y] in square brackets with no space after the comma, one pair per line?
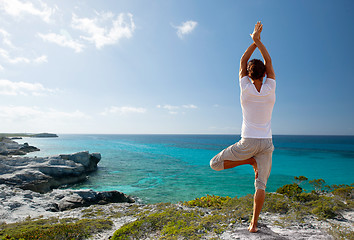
[9,147]
[27,183]
[41,174]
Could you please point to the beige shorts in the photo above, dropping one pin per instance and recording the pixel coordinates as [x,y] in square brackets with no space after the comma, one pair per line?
[261,149]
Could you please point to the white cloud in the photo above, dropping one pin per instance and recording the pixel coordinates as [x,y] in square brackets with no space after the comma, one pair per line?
[14,60]
[6,56]
[39,119]
[41,59]
[1,68]
[99,33]
[35,114]
[190,106]
[122,110]
[62,40]
[174,109]
[6,38]
[18,8]
[168,107]
[186,28]
[16,112]
[22,88]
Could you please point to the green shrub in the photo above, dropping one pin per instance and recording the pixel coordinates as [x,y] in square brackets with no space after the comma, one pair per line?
[276,203]
[129,231]
[244,203]
[300,179]
[324,212]
[172,223]
[208,202]
[325,207]
[317,184]
[180,228]
[211,221]
[306,197]
[290,190]
[52,229]
[346,192]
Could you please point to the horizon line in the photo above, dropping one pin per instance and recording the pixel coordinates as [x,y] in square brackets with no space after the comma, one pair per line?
[231,134]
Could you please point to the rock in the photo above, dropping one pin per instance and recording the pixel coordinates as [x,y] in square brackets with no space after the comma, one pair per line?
[41,174]
[16,204]
[115,196]
[22,179]
[13,205]
[10,147]
[84,198]
[88,161]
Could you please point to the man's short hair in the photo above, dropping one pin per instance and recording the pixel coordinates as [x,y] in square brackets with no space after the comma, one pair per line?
[256,69]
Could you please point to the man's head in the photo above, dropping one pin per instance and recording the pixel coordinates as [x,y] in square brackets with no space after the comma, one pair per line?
[256,69]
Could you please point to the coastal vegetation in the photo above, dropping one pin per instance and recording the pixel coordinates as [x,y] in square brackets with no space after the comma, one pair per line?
[205,216]
[54,228]
[213,215]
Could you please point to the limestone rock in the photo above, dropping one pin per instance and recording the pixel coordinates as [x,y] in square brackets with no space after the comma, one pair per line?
[41,174]
[16,204]
[10,147]
[84,198]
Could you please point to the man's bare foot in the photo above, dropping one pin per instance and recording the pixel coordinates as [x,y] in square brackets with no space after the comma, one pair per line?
[255,168]
[252,228]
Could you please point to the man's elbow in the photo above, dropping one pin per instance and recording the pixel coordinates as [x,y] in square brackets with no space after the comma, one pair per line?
[243,61]
[268,61]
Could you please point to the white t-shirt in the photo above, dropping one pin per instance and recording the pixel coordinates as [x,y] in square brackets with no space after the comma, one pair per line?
[257,108]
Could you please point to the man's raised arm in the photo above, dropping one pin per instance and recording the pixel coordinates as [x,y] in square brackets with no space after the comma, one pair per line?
[256,36]
[244,59]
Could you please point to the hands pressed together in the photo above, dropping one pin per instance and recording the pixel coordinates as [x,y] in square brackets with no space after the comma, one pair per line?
[256,35]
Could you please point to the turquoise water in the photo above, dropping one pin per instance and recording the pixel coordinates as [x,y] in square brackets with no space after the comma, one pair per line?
[171,168]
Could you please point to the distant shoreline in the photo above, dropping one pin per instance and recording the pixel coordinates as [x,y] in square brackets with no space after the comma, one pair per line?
[33,135]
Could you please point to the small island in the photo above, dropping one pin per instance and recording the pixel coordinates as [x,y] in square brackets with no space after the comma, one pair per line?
[34,135]
[43,135]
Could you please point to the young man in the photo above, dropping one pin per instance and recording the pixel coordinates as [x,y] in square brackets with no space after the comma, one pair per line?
[257,101]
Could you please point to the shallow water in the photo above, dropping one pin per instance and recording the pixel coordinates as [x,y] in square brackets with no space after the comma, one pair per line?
[171,168]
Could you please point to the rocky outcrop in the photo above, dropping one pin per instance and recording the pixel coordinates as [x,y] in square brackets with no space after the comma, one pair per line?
[41,174]
[16,204]
[85,198]
[9,147]
[27,183]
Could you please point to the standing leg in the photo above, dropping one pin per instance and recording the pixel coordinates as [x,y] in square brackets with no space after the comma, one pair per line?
[257,207]
[259,195]
[264,160]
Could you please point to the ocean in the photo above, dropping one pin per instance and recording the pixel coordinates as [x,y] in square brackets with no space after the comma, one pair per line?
[172,168]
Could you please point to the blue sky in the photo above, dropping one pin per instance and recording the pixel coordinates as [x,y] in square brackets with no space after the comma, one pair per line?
[171,66]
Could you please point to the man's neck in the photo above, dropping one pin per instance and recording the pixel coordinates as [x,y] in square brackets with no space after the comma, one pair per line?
[257,81]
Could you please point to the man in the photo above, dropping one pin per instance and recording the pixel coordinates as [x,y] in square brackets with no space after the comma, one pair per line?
[257,101]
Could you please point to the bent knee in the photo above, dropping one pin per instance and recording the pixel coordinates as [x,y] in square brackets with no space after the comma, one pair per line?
[216,164]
